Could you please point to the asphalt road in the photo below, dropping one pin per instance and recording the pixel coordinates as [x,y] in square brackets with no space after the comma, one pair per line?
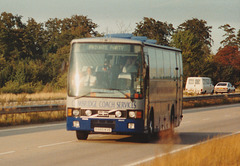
[51,144]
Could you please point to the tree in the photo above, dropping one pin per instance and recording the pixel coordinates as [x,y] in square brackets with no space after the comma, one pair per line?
[199,29]
[76,27]
[53,30]
[34,39]
[61,32]
[36,54]
[230,38]
[153,29]
[194,39]
[11,34]
[191,51]
[19,40]
[238,38]
[228,62]
[229,55]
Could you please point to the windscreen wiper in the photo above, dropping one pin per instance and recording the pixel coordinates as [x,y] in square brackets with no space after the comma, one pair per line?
[85,95]
[78,97]
[121,91]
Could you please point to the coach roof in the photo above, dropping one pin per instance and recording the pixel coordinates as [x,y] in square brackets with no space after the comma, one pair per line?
[124,38]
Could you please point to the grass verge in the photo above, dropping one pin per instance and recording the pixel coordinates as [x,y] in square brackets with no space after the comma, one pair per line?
[210,102]
[34,117]
[22,99]
[223,151]
[31,118]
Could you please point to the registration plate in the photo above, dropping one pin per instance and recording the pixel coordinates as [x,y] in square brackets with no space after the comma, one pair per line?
[102,129]
[103,113]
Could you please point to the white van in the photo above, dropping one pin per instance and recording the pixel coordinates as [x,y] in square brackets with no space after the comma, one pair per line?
[199,85]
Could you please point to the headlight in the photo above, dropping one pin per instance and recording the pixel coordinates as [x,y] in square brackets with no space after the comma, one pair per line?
[88,112]
[76,112]
[118,114]
[132,114]
[135,114]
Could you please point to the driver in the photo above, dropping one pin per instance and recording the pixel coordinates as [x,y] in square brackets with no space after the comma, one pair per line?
[89,79]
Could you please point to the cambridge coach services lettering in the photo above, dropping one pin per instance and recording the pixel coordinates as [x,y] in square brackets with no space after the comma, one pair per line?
[117,105]
[126,105]
[90,104]
[107,104]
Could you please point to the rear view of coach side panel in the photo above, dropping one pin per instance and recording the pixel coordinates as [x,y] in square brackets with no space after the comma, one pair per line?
[165,86]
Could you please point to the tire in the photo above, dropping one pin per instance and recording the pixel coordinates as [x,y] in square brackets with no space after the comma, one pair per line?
[81,135]
[169,133]
[151,125]
[145,138]
[172,117]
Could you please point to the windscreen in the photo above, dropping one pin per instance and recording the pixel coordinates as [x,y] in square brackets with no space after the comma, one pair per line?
[222,84]
[105,70]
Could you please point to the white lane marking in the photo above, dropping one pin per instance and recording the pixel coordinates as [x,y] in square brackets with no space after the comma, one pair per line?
[206,119]
[177,150]
[33,127]
[186,122]
[161,155]
[227,115]
[9,152]
[54,144]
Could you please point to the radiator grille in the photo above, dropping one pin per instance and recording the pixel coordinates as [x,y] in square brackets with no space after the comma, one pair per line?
[103,123]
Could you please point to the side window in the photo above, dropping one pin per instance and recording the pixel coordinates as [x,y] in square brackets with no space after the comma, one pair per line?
[206,81]
[181,64]
[197,81]
[191,81]
[152,63]
[167,63]
[160,64]
[173,64]
[178,65]
[146,53]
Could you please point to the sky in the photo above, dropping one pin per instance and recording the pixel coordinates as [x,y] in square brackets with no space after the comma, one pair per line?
[114,16]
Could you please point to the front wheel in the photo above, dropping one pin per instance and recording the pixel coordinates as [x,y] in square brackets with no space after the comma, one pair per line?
[145,138]
[81,135]
[172,117]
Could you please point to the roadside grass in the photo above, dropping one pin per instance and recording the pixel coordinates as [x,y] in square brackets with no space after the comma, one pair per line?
[22,99]
[31,118]
[223,151]
[210,102]
[34,117]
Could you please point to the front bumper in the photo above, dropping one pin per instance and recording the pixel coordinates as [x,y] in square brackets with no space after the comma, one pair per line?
[221,90]
[128,126]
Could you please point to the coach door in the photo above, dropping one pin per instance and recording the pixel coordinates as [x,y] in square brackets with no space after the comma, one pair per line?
[179,86]
[146,84]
